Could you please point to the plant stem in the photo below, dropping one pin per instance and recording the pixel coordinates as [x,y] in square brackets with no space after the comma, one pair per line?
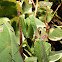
[33,4]
[21,49]
[56,10]
[46,16]
[26,45]
[36,7]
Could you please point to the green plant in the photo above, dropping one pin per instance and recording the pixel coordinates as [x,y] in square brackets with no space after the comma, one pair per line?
[34,28]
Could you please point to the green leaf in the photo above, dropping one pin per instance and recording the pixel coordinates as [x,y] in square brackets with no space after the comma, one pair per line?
[43,4]
[9,0]
[29,28]
[38,23]
[27,8]
[8,9]
[15,19]
[19,6]
[15,25]
[30,31]
[55,55]
[40,51]
[6,19]
[27,1]
[23,27]
[18,36]
[43,9]
[27,21]
[33,25]
[8,44]
[49,16]
[56,34]
[31,59]
[47,48]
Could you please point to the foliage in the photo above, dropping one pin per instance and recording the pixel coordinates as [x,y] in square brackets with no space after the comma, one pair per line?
[40,25]
[8,45]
